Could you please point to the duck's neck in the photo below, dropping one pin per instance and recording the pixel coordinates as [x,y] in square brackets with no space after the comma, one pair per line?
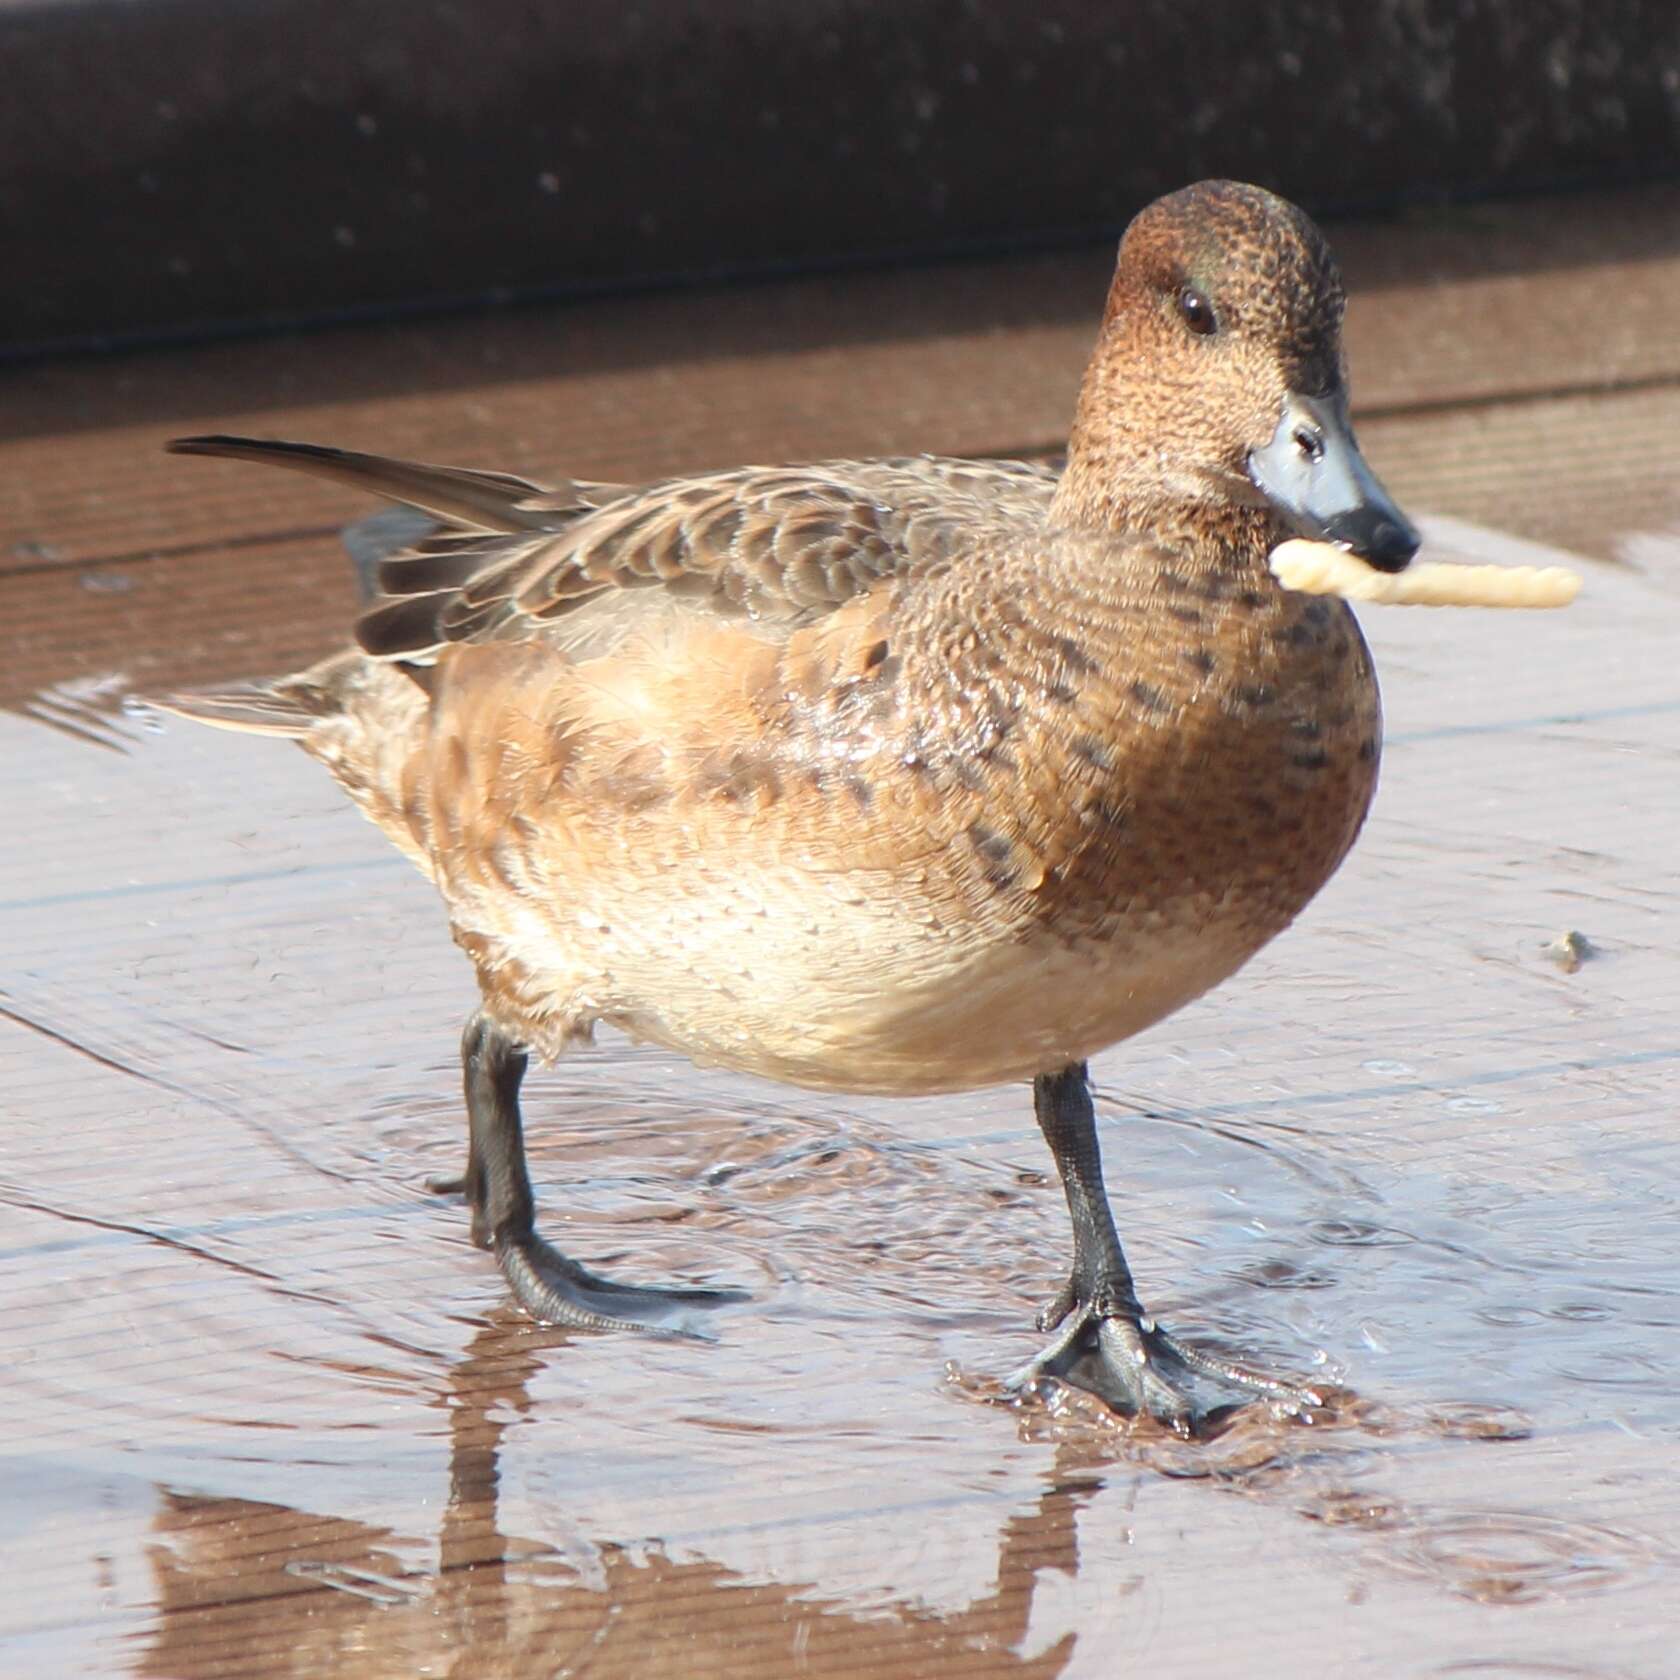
[1120,496]
[1122,477]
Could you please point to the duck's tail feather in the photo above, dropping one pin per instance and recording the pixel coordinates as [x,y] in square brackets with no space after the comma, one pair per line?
[287,706]
[487,501]
[256,708]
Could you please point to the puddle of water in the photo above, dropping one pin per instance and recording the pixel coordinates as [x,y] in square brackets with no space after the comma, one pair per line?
[269,1412]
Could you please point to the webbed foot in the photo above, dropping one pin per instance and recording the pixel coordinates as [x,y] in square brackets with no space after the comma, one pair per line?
[557,1290]
[1127,1360]
[1106,1343]
[551,1286]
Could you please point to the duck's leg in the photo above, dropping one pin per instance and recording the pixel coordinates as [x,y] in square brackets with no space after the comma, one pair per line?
[1107,1343]
[498,1189]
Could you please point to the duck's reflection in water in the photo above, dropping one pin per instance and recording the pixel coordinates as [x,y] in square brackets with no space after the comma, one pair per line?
[251,1588]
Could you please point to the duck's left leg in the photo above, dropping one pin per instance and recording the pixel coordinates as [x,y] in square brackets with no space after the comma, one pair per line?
[1107,1343]
[551,1286]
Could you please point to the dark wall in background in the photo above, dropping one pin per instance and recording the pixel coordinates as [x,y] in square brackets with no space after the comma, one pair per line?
[172,166]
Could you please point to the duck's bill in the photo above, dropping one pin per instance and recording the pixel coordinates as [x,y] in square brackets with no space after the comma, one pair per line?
[1313,474]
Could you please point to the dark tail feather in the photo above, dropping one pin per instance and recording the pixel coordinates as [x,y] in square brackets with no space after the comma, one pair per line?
[489,501]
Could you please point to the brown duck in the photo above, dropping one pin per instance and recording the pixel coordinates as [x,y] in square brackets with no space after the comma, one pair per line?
[887,776]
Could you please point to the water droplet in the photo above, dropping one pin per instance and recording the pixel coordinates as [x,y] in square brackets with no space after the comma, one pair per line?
[1472,1105]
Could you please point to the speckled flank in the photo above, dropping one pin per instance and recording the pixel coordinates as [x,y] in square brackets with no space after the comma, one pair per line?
[904,775]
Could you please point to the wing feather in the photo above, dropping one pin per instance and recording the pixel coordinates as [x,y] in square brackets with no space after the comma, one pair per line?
[582,565]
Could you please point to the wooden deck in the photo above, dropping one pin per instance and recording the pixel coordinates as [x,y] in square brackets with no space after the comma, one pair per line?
[266,1412]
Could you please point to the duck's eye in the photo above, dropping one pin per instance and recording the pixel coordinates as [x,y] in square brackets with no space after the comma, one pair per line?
[1196,312]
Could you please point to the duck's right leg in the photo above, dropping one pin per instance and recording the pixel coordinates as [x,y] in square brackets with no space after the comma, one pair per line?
[1107,1343]
[497,1186]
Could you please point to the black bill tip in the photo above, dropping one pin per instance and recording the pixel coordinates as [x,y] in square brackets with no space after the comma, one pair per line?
[1382,537]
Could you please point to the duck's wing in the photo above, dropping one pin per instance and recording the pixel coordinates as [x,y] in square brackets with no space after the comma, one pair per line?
[579,566]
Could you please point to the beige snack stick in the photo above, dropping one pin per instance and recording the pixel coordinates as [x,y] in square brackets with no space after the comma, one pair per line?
[1317,568]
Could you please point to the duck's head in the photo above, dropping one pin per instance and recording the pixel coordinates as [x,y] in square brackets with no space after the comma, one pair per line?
[1218,378]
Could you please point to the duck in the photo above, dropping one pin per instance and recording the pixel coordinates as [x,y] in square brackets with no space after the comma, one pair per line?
[892,776]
